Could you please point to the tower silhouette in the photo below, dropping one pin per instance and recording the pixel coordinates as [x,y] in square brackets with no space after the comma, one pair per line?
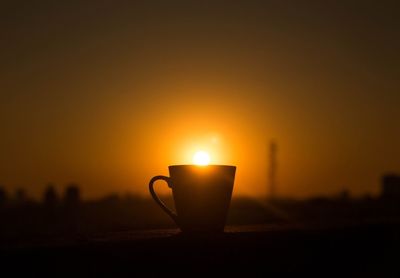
[272,169]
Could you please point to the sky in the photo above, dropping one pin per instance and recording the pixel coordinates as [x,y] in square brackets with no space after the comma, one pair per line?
[109,93]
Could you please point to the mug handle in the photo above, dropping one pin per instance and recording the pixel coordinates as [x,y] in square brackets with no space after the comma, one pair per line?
[158,201]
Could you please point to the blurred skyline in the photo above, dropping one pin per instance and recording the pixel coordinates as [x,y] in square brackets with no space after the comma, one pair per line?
[109,93]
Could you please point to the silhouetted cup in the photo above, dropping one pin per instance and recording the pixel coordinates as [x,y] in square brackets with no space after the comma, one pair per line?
[202,196]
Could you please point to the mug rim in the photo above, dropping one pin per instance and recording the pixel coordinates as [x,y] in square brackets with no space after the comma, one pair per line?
[201,166]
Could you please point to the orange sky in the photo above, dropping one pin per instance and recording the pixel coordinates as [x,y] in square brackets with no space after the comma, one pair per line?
[109,95]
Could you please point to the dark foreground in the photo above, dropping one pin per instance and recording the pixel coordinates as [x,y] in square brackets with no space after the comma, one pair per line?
[370,250]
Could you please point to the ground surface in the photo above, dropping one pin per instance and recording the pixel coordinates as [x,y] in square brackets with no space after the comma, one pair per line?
[370,250]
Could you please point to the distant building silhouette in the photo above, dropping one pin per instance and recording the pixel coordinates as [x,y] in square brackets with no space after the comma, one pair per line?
[72,197]
[50,196]
[3,197]
[272,169]
[344,195]
[72,208]
[391,186]
[21,197]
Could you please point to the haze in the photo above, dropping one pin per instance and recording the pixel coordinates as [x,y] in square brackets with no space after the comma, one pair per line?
[108,93]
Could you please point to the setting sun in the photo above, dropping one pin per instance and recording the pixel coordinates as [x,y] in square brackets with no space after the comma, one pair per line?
[201,158]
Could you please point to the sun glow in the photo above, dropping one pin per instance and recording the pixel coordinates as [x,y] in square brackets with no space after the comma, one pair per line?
[201,158]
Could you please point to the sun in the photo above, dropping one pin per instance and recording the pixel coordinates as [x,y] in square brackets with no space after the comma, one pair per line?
[201,158]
